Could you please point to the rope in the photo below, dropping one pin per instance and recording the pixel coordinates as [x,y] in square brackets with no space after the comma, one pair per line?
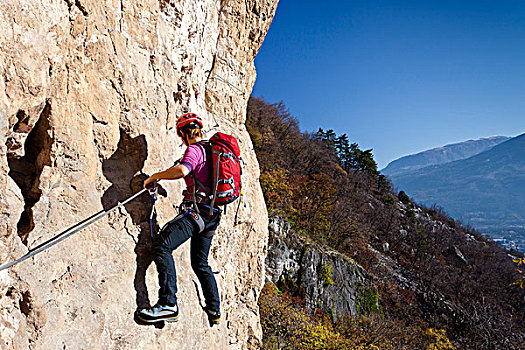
[198,294]
[153,193]
[221,79]
[69,231]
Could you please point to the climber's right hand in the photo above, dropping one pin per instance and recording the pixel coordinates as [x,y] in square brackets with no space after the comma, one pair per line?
[150,183]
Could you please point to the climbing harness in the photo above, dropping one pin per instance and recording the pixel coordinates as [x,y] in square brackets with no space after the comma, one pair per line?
[70,231]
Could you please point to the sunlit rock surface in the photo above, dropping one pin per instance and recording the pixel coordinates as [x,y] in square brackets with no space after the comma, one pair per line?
[89,95]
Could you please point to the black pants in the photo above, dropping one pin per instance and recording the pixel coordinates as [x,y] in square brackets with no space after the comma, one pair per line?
[172,235]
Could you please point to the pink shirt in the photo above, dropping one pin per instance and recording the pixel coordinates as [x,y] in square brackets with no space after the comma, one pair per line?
[195,160]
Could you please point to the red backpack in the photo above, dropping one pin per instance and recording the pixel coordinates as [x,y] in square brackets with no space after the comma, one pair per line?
[226,165]
[225,156]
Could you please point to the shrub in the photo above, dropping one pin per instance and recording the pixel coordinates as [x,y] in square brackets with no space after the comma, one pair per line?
[286,325]
[276,189]
[325,274]
[404,198]
[438,340]
[368,303]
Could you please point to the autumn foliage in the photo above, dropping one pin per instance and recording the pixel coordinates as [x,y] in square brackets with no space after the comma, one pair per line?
[288,325]
[319,182]
[452,287]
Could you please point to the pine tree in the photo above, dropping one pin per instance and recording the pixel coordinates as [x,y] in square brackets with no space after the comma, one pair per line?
[329,138]
[344,152]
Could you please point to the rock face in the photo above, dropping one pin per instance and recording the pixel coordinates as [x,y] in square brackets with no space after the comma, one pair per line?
[89,95]
[325,279]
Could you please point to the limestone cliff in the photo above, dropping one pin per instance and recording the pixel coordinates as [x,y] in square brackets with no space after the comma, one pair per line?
[89,94]
[324,278]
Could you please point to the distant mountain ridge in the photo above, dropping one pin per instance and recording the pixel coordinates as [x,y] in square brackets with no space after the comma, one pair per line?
[486,190]
[442,155]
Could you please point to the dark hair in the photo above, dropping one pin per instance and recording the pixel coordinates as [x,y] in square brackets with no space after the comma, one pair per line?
[191,131]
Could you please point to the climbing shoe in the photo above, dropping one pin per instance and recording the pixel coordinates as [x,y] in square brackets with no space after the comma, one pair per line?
[159,313]
[214,317]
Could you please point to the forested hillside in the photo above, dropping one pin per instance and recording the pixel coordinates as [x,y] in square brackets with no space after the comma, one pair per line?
[437,284]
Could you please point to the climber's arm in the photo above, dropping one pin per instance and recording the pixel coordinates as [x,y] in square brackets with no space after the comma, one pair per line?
[176,172]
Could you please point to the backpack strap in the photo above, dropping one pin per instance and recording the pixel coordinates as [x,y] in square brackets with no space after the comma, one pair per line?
[206,149]
[194,194]
[215,181]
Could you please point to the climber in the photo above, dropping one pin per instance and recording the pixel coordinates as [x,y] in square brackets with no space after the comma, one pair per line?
[197,222]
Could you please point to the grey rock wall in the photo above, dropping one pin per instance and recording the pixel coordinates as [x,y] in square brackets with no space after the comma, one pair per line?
[324,278]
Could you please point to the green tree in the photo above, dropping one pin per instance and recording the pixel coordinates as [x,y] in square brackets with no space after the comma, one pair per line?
[344,152]
[329,138]
[404,198]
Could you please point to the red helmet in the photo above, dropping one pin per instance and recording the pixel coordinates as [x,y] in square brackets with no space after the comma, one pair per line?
[186,119]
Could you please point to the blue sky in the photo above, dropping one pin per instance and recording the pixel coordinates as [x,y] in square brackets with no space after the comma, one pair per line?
[398,76]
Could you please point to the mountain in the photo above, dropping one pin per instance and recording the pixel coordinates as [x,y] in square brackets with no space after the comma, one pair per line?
[486,190]
[350,262]
[441,155]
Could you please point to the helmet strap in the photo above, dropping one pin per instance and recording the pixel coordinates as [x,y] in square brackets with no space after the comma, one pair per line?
[185,138]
